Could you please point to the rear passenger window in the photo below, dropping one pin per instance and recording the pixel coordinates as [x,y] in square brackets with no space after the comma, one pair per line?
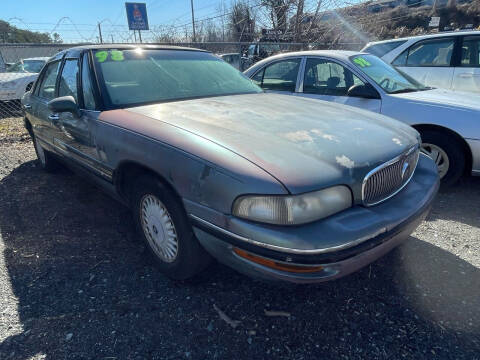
[471,52]
[431,53]
[281,76]
[68,80]
[47,87]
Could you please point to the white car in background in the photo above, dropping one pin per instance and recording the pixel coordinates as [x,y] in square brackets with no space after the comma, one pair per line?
[443,60]
[19,78]
[449,122]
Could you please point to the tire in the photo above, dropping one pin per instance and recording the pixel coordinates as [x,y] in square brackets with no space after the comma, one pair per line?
[448,154]
[163,225]
[47,161]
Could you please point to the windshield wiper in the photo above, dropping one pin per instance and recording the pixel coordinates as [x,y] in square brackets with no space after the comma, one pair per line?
[401,91]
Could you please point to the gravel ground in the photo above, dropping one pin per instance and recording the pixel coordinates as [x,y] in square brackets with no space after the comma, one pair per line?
[75,283]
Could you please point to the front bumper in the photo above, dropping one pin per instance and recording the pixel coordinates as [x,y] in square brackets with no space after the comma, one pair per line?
[340,244]
[8,95]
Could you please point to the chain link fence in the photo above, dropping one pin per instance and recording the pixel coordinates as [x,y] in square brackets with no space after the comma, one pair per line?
[21,63]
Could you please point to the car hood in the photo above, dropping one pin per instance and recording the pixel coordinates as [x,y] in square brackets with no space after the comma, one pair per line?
[4,77]
[305,144]
[443,98]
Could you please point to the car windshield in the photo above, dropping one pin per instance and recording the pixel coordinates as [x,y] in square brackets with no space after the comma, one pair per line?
[141,76]
[29,66]
[390,79]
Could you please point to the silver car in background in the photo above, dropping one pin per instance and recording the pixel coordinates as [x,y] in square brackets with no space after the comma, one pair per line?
[448,121]
[443,60]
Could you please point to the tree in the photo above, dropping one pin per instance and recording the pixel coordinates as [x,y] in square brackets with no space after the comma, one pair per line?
[242,24]
[12,34]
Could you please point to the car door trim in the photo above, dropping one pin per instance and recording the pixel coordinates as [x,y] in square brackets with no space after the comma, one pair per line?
[83,159]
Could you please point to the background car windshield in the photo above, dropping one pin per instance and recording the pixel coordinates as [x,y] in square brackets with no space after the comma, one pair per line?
[146,76]
[390,79]
[31,66]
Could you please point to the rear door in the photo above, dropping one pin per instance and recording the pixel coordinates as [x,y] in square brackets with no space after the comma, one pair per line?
[42,121]
[467,72]
[329,80]
[280,76]
[430,62]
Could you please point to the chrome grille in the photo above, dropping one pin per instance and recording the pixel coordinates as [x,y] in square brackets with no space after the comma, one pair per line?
[386,180]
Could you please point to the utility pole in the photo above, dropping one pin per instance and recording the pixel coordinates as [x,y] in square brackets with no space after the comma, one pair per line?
[112,38]
[193,20]
[140,36]
[100,33]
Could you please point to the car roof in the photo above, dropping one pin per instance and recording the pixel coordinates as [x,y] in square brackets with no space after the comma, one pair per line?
[339,54]
[429,36]
[44,58]
[74,51]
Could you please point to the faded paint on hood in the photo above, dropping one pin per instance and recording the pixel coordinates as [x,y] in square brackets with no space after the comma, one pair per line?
[305,144]
[443,98]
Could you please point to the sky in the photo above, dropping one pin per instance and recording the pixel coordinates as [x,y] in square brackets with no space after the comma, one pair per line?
[43,16]
[76,20]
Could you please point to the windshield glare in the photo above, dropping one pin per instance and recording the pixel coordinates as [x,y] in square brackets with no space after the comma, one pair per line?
[140,76]
[387,77]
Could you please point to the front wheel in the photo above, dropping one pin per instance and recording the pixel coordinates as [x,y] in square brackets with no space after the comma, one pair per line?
[164,227]
[447,153]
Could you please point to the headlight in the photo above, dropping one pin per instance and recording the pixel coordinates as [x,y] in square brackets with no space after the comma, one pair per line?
[295,209]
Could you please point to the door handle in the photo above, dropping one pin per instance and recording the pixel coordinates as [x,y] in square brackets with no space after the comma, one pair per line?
[466,75]
[27,106]
[54,118]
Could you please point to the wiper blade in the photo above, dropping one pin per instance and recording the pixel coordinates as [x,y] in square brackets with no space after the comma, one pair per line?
[404,91]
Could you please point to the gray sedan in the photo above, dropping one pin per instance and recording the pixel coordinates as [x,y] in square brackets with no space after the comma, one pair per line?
[276,187]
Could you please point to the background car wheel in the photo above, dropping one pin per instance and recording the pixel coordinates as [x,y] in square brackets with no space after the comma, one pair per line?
[164,227]
[46,160]
[447,153]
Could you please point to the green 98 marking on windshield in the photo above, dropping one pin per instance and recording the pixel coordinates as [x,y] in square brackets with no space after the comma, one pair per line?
[115,55]
[101,56]
[361,62]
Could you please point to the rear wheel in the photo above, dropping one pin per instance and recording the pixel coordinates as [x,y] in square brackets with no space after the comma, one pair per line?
[164,227]
[448,154]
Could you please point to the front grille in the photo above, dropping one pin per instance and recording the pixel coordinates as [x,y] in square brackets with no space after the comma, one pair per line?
[386,180]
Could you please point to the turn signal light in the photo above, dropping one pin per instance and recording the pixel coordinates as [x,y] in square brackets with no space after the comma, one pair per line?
[276,265]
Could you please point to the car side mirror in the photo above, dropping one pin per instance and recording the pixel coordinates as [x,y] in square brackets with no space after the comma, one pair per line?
[365,91]
[64,104]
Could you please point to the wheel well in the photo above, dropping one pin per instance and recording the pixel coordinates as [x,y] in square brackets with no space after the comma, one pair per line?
[28,126]
[461,141]
[128,172]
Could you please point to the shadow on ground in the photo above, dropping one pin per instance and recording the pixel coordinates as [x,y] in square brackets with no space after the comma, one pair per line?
[86,290]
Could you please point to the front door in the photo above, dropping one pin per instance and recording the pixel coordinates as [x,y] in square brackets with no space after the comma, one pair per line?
[328,80]
[429,62]
[280,76]
[76,135]
[467,73]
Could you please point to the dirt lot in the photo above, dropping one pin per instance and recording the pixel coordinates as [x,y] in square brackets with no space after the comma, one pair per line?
[75,284]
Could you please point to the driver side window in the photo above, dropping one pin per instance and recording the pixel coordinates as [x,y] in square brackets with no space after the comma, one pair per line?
[279,76]
[326,77]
